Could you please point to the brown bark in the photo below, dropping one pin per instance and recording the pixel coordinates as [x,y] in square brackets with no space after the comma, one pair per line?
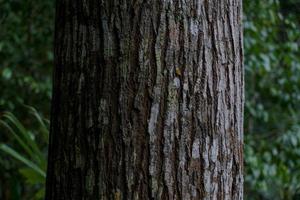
[147,100]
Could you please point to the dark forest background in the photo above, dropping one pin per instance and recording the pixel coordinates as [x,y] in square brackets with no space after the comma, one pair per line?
[272,109]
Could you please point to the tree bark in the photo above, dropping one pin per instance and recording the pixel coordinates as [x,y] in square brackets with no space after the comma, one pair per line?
[147,100]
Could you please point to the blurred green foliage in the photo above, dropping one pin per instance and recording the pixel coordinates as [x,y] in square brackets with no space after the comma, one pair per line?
[272,109]
[26,53]
[27,150]
[25,78]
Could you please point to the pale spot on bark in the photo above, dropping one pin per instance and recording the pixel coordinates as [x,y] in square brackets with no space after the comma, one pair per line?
[177,82]
[81,82]
[195,150]
[90,181]
[103,112]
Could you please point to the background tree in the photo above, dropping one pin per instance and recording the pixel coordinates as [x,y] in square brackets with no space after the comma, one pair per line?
[147,101]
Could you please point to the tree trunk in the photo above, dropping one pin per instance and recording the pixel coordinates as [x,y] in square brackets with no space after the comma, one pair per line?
[147,100]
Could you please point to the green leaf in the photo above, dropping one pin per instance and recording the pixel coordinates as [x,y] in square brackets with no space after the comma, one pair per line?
[32,177]
[40,194]
[43,127]
[22,159]
[19,140]
[26,135]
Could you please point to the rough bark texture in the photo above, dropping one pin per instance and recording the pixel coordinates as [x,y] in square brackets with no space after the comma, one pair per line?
[147,100]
